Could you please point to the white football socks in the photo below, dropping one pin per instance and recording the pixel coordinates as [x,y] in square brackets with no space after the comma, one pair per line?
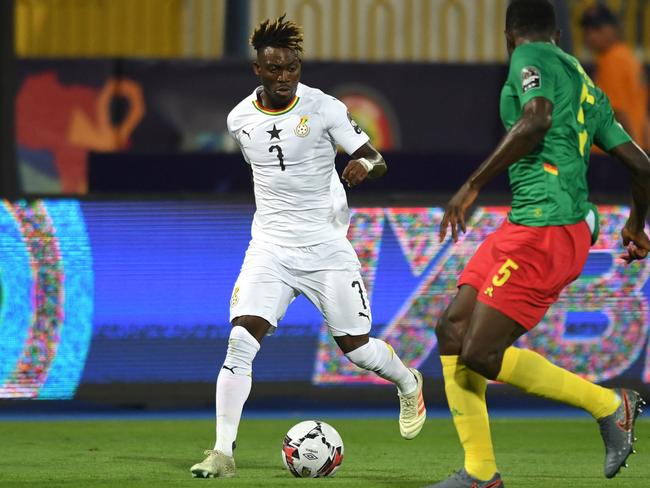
[233,386]
[379,356]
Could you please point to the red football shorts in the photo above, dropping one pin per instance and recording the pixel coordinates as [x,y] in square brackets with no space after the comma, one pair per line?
[520,271]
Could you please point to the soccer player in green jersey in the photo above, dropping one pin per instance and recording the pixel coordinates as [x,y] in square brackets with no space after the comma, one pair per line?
[553,113]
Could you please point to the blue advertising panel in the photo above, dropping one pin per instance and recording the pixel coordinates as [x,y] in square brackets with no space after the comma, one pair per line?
[138,292]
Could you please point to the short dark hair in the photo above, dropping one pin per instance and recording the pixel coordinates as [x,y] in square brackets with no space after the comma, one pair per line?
[277,33]
[531,17]
[597,16]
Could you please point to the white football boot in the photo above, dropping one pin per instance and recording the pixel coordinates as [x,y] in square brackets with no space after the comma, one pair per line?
[215,465]
[412,412]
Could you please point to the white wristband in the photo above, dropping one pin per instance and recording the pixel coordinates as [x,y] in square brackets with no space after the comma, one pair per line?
[366,164]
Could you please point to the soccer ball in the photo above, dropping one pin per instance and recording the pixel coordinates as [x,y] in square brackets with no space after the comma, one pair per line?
[312,449]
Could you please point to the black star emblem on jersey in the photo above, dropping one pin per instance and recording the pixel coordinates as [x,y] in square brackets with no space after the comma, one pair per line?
[275,133]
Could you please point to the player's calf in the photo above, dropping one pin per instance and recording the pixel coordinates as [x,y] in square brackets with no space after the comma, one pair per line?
[379,357]
[233,387]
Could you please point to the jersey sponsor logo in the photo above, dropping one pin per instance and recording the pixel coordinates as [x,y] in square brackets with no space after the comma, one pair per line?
[354,124]
[302,129]
[530,78]
[247,133]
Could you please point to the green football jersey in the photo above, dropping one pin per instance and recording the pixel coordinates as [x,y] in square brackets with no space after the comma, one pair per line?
[549,186]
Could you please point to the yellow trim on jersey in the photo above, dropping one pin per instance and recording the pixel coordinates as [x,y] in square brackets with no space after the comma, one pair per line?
[281,111]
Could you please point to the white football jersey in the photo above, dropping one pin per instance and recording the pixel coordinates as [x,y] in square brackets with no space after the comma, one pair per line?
[298,193]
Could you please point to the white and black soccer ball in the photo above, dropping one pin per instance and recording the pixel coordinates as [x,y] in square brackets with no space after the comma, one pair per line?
[312,449]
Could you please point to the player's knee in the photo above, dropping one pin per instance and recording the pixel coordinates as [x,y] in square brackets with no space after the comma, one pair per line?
[450,332]
[482,361]
[477,364]
[443,328]
[242,348]
[255,326]
[349,343]
[366,356]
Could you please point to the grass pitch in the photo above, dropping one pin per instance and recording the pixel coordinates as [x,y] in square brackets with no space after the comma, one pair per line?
[156,453]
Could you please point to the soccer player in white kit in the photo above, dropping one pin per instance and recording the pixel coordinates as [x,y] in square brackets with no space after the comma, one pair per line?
[288,133]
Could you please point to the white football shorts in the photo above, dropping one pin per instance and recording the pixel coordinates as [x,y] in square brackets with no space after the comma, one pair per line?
[328,274]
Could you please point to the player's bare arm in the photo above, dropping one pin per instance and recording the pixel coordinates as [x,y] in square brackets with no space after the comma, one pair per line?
[367,162]
[527,133]
[637,163]
[624,119]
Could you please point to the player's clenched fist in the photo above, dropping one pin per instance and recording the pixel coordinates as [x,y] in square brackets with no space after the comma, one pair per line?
[636,243]
[354,173]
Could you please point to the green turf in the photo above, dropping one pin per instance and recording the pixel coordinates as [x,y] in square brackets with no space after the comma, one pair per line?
[129,453]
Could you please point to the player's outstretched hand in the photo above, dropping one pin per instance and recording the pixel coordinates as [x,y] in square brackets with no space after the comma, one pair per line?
[455,212]
[354,173]
[636,242]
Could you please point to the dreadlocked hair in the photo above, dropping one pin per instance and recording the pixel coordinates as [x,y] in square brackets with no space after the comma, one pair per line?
[278,33]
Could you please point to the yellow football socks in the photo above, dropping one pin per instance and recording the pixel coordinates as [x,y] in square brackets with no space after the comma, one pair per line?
[534,374]
[465,391]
